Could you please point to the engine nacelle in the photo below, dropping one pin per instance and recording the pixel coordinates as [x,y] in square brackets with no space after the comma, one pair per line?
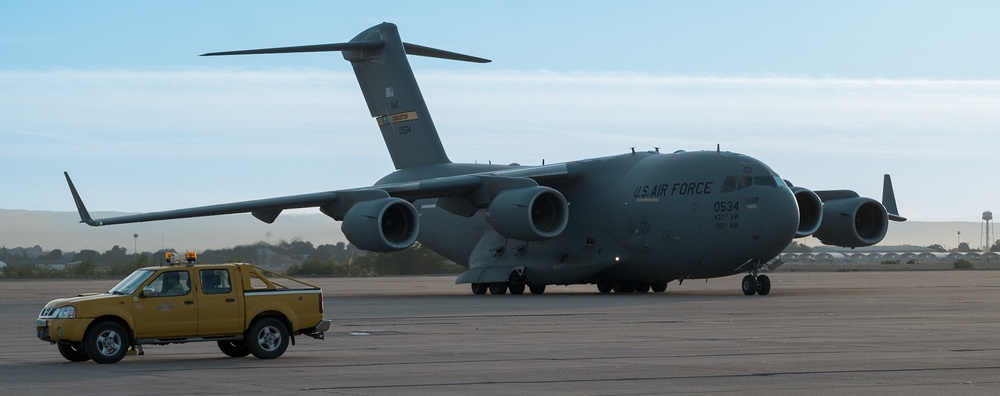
[853,222]
[381,225]
[810,211]
[529,214]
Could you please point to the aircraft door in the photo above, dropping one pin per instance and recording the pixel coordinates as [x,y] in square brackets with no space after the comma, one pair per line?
[220,313]
[670,244]
[169,307]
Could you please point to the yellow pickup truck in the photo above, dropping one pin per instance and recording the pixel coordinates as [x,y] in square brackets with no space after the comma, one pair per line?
[245,309]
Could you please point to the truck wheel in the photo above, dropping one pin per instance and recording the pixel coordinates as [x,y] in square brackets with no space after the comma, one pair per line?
[73,353]
[267,338]
[234,348]
[106,342]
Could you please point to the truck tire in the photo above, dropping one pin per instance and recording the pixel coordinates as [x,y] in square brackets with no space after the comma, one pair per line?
[267,338]
[234,348]
[106,342]
[73,353]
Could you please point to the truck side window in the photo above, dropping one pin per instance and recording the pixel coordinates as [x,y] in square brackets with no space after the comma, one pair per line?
[172,283]
[215,281]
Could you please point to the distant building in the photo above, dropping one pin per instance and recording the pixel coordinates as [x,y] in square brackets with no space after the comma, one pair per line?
[876,254]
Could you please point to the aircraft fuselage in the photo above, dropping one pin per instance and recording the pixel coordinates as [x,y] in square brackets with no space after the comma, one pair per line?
[643,217]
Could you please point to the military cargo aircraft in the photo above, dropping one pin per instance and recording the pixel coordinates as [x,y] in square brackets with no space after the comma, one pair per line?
[626,223]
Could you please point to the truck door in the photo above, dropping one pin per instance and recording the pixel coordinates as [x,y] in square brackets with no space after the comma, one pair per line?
[221,311]
[168,309]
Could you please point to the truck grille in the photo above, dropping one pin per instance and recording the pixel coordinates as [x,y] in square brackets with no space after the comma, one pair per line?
[48,312]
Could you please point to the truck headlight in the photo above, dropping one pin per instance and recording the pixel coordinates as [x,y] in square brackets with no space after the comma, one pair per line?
[68,311]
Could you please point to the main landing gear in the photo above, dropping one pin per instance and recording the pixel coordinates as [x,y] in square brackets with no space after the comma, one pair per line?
[631,287]
[504,287]
[759,284]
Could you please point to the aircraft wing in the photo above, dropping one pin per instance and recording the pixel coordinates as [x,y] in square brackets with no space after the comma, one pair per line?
[466,193]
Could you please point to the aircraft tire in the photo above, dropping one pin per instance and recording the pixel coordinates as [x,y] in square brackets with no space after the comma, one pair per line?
[763,285]
[498,288]
[749,285]
[479,288]
[536,289]
[659,287]
[516,289]
[605,287]
[642,287]
[625,287]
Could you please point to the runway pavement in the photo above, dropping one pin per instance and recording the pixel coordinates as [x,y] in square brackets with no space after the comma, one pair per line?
[817,333]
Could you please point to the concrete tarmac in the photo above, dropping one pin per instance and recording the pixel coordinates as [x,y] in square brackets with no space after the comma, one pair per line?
[816,333]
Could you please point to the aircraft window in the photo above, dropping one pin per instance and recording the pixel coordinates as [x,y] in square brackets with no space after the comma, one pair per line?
[745,181]
[765,181]
[729,185]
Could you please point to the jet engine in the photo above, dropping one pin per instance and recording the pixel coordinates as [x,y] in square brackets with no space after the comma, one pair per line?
[381,225]
[810,211]
[529,214]
[853,222]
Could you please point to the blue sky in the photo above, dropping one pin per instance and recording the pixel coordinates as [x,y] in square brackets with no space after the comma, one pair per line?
[830,94]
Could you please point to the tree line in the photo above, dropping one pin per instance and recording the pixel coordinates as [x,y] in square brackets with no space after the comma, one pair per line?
[298,258]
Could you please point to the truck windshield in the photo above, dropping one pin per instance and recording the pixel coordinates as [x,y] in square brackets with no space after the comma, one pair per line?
[132,282]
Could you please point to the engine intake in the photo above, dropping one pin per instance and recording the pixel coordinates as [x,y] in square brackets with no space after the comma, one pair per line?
[529,214]
[381,225]
[810,211]
[853,222]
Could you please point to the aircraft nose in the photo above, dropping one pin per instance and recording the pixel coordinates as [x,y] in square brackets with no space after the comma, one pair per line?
[781,219]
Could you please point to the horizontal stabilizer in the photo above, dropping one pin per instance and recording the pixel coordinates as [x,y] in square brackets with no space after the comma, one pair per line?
[419,50]
[351,46]
[411,49]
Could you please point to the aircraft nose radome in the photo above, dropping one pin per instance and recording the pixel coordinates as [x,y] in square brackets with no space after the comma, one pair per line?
[781,216]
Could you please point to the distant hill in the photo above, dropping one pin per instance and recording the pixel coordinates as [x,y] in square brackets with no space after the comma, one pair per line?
[62,230]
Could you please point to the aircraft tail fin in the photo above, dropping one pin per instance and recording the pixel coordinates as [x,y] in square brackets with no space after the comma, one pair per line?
[378,56]
[889,200]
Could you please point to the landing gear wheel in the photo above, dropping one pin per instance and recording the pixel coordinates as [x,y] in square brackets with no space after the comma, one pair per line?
[642,287]
[625,287]
[234,348]
[536,289]
[73,353]
[479,288]
[517,289]
[106,342]
[605,287]
[498,288]
[267,338]
[659,287]
[763,285]
[749,285]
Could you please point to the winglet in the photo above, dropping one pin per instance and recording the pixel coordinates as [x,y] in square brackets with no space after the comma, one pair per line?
[84,214]
[889,200]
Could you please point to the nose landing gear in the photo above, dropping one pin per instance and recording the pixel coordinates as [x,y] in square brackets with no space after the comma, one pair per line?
[756,284]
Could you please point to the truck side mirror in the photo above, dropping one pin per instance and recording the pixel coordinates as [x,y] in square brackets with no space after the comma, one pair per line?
[147,291]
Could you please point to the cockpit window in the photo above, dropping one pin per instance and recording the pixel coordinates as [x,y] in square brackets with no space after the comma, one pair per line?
[737,183]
